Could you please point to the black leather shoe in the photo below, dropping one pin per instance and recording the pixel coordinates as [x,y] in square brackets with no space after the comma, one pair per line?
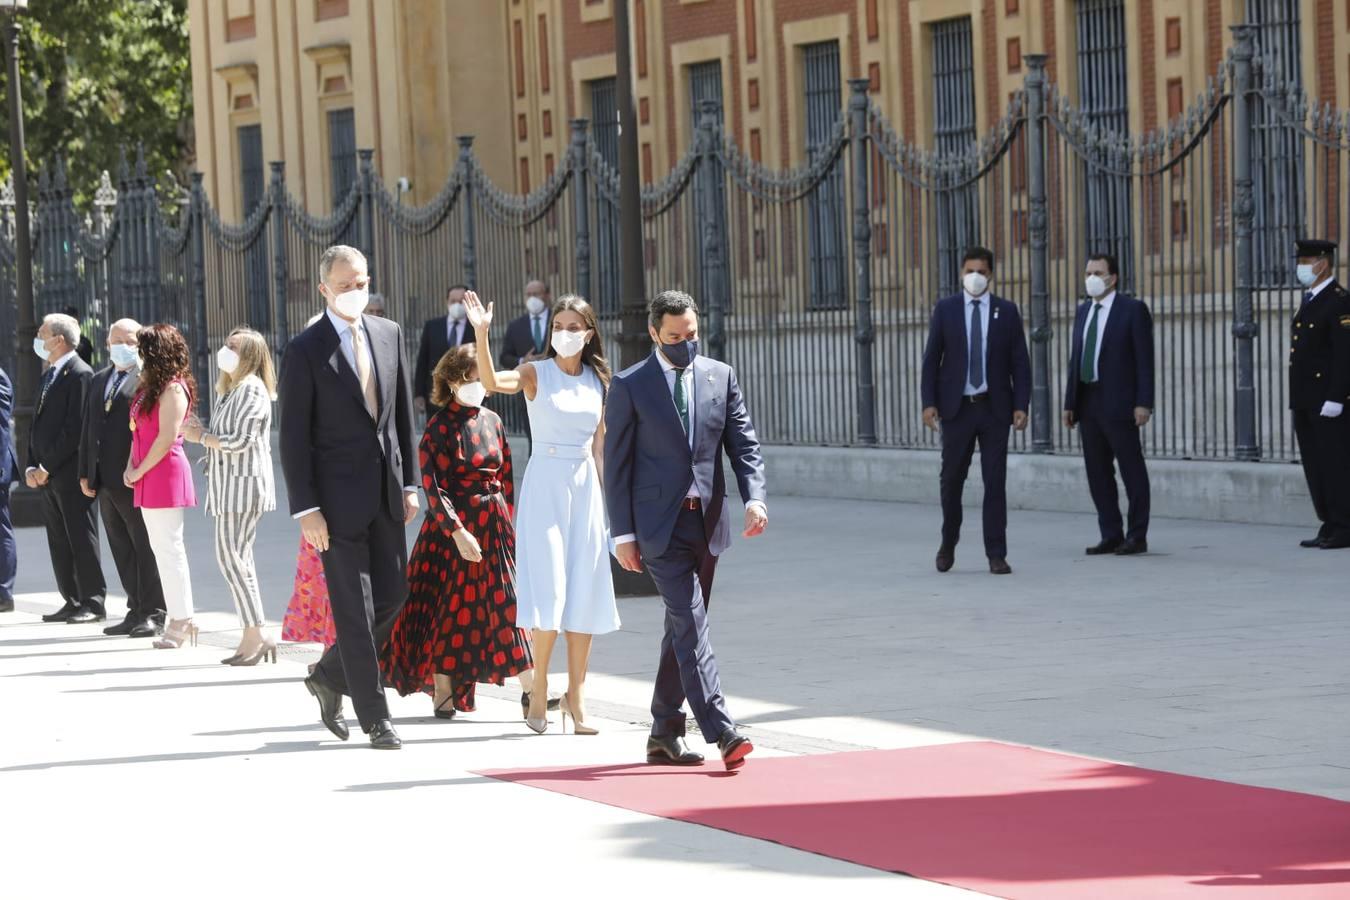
[87,614]
[147,628]
[1336,543]
[330,707]
[65,612]
[671,750]
[999,566]
[384,737]
[6,606]
[735,748]
[1132,547]
[1105,547]
[1312,542]
[123,627]
[946,558]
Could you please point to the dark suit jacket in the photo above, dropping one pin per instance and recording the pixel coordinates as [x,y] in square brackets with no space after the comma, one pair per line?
[54,440]
[105,442]
[518,342]
[85,350]
[1007,368]
[334,456]
[435,344]
[8,464]
[648,463]
[1125,364]
[1319,350]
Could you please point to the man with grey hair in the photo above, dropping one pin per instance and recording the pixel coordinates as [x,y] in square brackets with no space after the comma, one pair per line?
[53,467]
[104,449]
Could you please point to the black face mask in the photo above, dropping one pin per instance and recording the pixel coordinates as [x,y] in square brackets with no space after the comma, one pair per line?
[681,355]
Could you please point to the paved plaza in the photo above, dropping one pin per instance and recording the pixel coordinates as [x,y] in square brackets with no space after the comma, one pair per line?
[1221,654]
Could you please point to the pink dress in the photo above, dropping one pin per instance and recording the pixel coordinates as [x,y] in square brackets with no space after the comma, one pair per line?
[169,484]
[309,618]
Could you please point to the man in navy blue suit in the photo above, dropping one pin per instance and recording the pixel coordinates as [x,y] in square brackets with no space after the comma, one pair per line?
[1109,396]
[8,551]
[667,421]
[976,382]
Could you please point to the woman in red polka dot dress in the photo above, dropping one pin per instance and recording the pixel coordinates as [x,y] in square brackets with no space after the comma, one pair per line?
[458,627]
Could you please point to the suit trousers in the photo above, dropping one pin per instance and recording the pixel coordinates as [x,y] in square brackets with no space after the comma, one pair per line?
[975,423]
[1107,443]
[687,669]
[131,552]
[366,570]
[1323,447]
[9,550]
[235,534]
[165,528]
[72,539]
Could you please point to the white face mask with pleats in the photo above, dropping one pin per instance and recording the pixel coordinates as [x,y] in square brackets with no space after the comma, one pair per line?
[569,343]
[471,394]
[975,284]
[227,360]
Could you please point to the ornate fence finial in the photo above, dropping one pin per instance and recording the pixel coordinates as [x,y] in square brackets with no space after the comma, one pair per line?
[141,171]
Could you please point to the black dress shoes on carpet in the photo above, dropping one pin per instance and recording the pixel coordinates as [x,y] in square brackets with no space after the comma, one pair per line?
[672,750]
[384,737]
[123,627]
[1105,547]
[735,748]
[62,614]
[330,707]
[1312,542]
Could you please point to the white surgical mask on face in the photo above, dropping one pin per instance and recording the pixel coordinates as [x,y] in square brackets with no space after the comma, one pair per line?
[40,348]
[1095,285]
[123,355]
[975,284]
[471,394]
[227,360]
[352,303]
[456,311]
[1306,276]
[568,343]
[534,304]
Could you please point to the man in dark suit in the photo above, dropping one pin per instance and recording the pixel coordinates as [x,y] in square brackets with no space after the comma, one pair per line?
[527,336]
[104,449]
[440,335]
[53,466]
[350,463]
[667,508]
[976,382]
[1109,396]
[9,551]
[1319,389]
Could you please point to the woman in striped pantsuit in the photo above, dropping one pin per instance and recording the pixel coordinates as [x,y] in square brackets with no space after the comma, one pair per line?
[239,481]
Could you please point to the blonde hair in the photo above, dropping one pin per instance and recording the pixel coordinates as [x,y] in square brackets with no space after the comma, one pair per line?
[255,358]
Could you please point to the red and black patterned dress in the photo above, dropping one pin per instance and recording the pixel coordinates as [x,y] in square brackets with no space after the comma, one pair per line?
[460,618]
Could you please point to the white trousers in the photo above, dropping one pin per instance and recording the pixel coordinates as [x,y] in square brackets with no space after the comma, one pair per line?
[165,528]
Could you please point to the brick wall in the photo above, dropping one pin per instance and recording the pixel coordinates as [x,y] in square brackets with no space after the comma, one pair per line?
[684,22]
[786,11]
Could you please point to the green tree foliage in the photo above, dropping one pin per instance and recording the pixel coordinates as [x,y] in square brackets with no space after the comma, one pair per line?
[99,76]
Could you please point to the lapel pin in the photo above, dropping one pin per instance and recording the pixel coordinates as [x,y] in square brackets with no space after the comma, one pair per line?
[995,314]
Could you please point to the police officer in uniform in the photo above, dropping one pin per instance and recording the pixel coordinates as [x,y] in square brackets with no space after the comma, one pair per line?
[1319,390]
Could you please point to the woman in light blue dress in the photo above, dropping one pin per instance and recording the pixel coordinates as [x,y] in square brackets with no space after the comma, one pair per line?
[563,580]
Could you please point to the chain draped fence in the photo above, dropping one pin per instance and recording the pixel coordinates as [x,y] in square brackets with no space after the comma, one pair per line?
[817,282]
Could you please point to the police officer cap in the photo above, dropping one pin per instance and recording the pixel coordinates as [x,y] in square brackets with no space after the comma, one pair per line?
[1306,248]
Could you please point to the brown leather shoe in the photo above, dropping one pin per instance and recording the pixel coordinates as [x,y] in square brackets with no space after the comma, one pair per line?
[999,566]
[946,558]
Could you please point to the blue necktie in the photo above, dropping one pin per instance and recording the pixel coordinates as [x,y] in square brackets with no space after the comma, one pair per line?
[976,346]
[1307,295]
[47,378]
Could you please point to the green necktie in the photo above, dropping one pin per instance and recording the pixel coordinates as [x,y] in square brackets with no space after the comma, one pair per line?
[538,328]
[1087,368]
[681,400]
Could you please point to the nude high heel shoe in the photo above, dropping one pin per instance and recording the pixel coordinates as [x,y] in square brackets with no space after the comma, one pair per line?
[578,727]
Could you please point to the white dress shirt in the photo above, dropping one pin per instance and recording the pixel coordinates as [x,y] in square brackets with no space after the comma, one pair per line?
[983,386]
[1317,289]
[1102,315]
[55,370]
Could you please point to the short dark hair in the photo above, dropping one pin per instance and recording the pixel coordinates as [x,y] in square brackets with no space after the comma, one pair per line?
[456,287]
[979,253]
[72,311]
[669,303]
[1107,258]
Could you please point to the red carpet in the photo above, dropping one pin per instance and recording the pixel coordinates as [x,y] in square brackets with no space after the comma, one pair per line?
[1003,820]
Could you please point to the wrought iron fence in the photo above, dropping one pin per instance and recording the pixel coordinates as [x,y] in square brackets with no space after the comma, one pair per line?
[816,282]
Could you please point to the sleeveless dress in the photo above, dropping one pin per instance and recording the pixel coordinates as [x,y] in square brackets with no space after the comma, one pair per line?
[169,484]
[563,580]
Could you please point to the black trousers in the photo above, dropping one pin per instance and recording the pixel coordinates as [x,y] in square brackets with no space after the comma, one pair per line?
[366,569]
[9,550]
[975,423]
[687,669]
[1324,447]
[1109,442]
[72,539]
[131,551]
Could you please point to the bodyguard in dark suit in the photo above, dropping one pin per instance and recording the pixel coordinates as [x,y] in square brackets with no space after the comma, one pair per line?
[350,463]
[667,421]
[1319,389]
[53,465]
[1108,394]
[440,335]
[527,336]
[9,551]
[976,383]
[104,450]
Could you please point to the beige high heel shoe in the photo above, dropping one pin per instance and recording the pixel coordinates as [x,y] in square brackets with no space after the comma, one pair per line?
[267,650]
[175,634]
[578,726]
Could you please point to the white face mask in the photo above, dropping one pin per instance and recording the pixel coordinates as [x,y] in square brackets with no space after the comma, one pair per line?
[40,348]
[471,394]
[1095,285]
[456,311]
[975,284]
[534,304]
[1306,276]
[569,343]
[227,360]
[123,355]
[351,304]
